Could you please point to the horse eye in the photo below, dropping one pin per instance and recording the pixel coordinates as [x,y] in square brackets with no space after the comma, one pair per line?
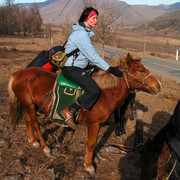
[142,71]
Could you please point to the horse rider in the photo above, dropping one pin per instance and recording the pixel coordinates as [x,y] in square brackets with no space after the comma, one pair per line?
[74,68]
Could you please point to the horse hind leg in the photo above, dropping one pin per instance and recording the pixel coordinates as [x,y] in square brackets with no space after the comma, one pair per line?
[32,138]
[31,120]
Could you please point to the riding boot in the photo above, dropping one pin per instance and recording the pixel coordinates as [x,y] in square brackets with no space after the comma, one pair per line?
[68,114]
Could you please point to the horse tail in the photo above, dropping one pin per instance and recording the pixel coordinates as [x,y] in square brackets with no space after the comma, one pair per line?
[15,107]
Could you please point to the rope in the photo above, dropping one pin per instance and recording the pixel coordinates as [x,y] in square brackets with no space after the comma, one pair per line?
[123,148]
[172,170]
[127,81]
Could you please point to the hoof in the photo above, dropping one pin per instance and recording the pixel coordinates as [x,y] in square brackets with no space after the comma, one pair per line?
[91,170]
[47,152]
[34,143]
[124,135]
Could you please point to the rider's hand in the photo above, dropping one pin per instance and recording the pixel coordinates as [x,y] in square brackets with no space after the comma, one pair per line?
[115,71]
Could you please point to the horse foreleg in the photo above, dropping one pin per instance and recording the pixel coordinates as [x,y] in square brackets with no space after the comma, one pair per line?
[120,122]
[93,130]
[117,122]
[32,138]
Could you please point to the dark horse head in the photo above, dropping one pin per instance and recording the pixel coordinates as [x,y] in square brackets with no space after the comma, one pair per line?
[156,152]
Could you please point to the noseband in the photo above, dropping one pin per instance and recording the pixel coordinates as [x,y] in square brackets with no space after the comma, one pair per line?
[142,79]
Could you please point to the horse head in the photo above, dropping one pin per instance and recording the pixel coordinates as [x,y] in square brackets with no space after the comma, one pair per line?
[139,77]
[154,157]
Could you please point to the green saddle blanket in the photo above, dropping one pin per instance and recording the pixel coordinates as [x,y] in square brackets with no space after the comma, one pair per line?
[65,94]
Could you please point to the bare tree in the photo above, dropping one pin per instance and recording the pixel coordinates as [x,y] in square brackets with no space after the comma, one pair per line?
[35,19]
[16,19]
[106,23]
[10,16]
[8,2]
[3,24]
[22,21]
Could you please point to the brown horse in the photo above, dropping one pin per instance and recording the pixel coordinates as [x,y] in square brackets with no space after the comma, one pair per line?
[28,89]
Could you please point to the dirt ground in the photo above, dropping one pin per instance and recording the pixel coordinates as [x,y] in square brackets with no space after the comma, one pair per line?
[19,160]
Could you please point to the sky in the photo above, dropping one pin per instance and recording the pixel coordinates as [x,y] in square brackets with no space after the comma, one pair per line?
[131,2]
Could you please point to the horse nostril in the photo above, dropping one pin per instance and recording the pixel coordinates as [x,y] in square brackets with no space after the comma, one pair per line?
[159,87]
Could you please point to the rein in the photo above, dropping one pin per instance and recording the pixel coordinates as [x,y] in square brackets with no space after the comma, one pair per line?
[172,169]
[131,75]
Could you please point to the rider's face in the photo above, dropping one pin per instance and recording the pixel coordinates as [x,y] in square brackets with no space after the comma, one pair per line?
[92,21]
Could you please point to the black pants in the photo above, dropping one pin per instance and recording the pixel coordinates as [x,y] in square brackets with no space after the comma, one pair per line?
[82,79]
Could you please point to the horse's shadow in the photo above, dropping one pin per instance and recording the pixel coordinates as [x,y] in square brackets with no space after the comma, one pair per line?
[53,131]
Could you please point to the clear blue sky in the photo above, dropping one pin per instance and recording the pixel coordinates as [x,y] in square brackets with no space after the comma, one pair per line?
[146,2]
[151,2]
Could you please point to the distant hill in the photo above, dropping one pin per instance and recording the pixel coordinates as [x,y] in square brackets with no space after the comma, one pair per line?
[170,7]
[168,20]
[52,11]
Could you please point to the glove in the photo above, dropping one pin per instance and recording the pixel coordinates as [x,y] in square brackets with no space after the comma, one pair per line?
[115,71]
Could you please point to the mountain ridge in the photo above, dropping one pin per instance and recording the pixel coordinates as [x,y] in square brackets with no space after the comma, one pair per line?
[52,11]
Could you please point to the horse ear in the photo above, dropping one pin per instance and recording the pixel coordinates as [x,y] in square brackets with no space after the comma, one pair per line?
[129,58]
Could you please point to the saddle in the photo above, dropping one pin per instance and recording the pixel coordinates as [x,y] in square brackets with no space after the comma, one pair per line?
[65,94]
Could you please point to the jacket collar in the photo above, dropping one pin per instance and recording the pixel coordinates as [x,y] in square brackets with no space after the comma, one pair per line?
[82,25]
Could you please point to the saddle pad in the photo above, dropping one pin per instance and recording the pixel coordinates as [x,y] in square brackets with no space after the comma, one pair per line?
[63,98]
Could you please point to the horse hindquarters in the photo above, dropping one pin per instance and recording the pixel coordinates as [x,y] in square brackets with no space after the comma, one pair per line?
[23,92]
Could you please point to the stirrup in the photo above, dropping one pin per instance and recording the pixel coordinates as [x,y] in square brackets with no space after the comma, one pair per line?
[68,118]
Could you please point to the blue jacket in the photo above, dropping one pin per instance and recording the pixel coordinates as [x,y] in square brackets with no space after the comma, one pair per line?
[81,39]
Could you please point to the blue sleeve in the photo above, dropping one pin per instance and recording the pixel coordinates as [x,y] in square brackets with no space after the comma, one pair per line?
[83,42]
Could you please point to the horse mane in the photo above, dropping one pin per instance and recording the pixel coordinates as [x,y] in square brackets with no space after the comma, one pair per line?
[106,80]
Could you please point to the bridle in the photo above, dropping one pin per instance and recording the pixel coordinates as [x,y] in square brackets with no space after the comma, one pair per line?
[142,79]
[173,167]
